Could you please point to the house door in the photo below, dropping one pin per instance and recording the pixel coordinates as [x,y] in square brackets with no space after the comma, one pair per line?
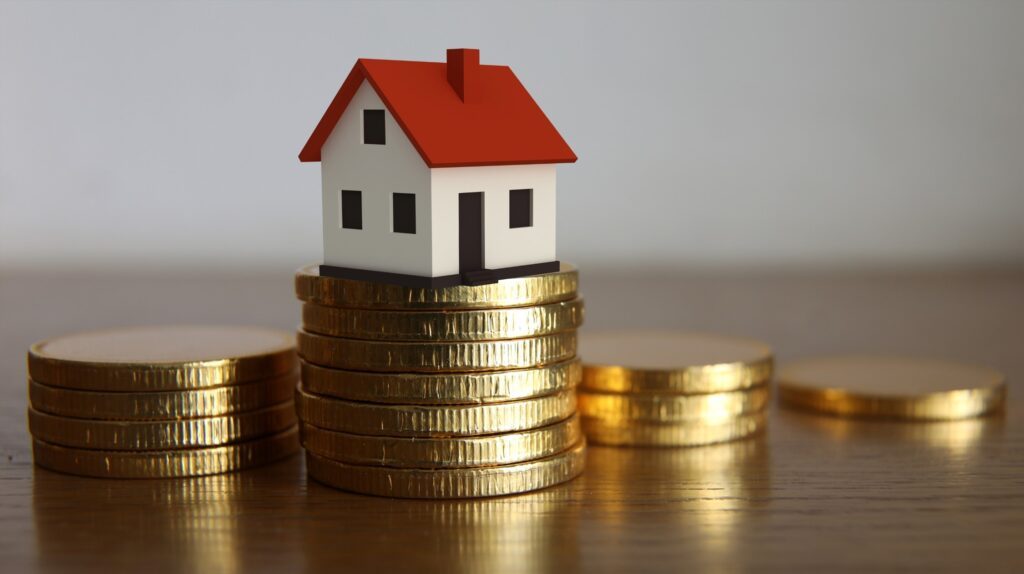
[471,231]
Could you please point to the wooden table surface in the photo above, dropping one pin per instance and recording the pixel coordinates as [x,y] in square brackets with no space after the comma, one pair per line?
[814,494]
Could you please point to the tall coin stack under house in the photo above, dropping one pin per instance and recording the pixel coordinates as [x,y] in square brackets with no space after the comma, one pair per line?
[456,392]
[438,337]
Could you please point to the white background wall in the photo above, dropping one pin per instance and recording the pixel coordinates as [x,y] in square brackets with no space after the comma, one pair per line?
[710,133]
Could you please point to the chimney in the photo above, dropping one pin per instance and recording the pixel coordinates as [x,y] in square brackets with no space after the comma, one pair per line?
[464,73]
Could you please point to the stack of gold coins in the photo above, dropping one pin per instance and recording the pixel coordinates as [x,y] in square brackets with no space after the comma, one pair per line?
[660,388]
[162,402]
[452,392]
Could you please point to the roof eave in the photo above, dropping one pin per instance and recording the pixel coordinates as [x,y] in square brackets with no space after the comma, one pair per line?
[497,163]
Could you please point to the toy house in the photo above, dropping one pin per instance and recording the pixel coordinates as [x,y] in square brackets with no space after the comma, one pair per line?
[436,174]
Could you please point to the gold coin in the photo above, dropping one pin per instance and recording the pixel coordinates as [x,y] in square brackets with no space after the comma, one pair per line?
[441,388]
[519,292]
[892,387]
[432,421]
[446,325]
[694,433]
[161,358]
[671,362]
[162,405]
[461,452]
[165,463]
[449,483]
[710,408]
[160,435]
[381,356]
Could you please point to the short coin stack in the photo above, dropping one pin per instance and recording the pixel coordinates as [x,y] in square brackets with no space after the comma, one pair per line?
[451,392]
[653,388]
[162,402]
[898,388]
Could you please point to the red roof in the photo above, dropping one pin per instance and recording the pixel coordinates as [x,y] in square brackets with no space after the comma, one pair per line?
[501,125]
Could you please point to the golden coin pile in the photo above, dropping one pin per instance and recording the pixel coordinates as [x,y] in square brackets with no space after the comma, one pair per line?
[162,401]
[900,388]
[653,388]
[450,392]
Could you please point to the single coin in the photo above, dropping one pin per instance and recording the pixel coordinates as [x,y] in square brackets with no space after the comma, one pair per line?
[432,421]
[441,388]
[161,358]
[160,435]
[446,325]
[892,387]
[449,483]
[380,356]
[162,405]
[165,463]
[694,433]
[519,292]
[712,407]
[671,362]
[461,452]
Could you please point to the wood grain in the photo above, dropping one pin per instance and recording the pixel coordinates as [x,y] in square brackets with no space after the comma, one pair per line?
[813,494]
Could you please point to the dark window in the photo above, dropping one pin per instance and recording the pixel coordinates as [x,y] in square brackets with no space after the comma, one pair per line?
[373,127]
[404,207]
[351,209]
[520,208]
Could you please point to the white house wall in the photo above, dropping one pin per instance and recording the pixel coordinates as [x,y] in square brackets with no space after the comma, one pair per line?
[377,171]
[503,246]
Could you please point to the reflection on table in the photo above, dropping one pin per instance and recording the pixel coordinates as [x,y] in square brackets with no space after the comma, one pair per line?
[958,439]
[533,532]
[185,525]
[707,491]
